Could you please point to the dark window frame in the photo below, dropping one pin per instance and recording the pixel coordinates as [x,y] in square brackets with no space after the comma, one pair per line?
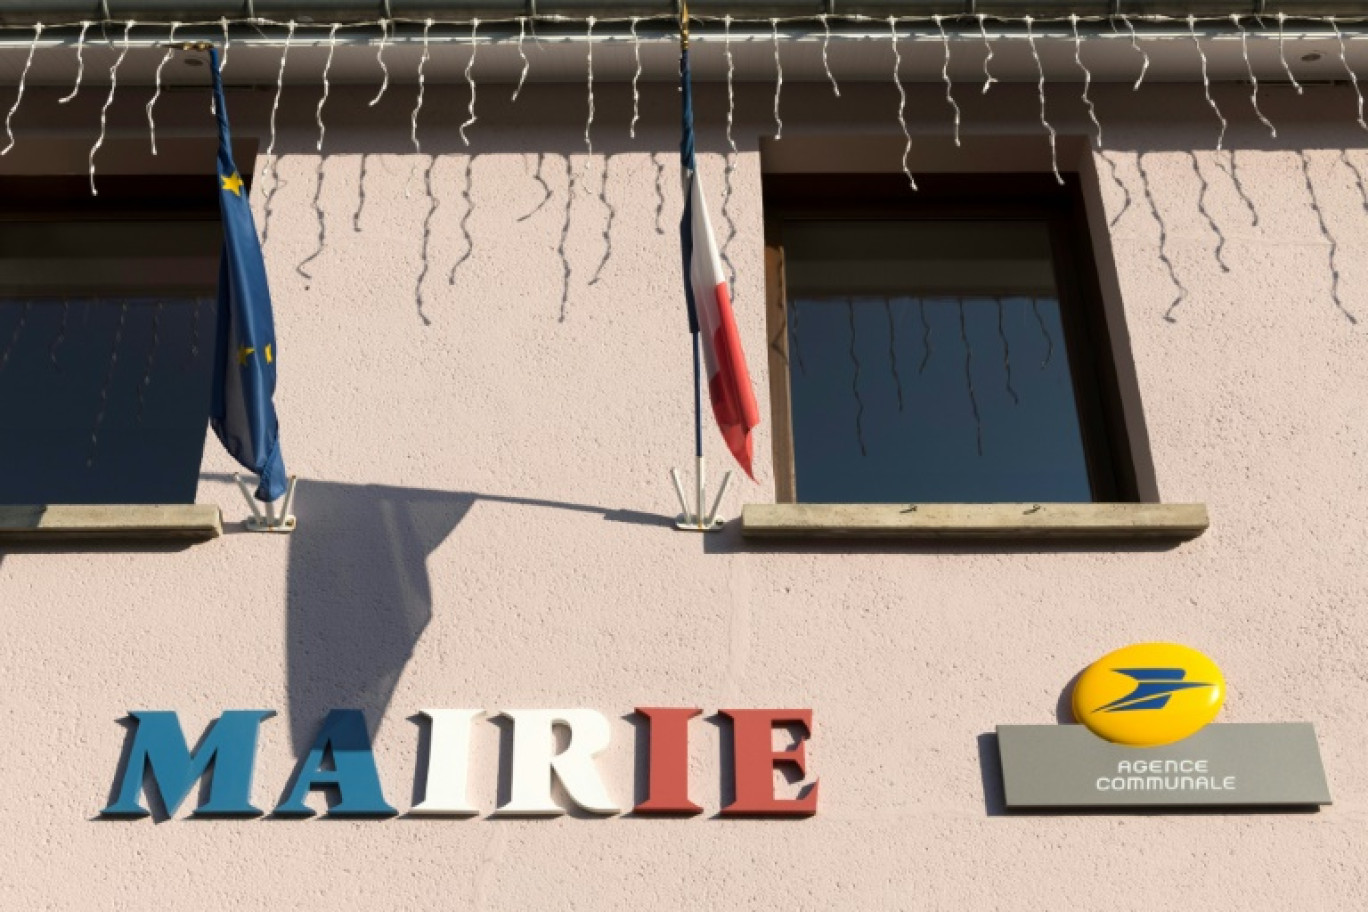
[1088,338]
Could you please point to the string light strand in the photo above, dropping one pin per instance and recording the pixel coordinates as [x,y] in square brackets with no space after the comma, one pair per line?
[1353,77]
[156,93]
[778,80]
[33,46]
[1040,90]
[380,59]
[470,78]
[1087,79]
[636,77]
[826,40]
[945,74]
[902,102]
[1253,80]
[327,66]
[80,62]
[1206,82]
[109,99]
[1282,53]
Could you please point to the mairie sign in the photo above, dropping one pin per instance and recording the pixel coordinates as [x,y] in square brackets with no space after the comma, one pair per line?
[341,763]
[1144,740]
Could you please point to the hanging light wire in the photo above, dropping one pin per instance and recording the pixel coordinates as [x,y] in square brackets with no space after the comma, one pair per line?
[380,59]
[470,78]
[988,77]
[327,66]
[1087,79]
[417,108]
[1253,80]
[902,102]
[522,77]
[636,76]
[280,86]
[1144,56]
[1282,53]
[1353,77]
[826,40]
[945,74]
[1206,81]
[1040,90]
[778,80]
[156,93]
[80,62]
[109,99]
[33,46]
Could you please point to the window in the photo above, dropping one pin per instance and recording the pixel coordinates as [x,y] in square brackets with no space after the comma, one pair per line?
[107,326]
[944,346]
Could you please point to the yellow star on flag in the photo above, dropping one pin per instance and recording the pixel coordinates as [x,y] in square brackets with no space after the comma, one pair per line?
[243,354]
[233,183]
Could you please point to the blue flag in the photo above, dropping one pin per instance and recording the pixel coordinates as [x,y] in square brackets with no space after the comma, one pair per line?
[241,412]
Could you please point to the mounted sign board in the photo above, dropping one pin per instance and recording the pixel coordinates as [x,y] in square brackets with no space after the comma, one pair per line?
[1274,765]
[1144,742]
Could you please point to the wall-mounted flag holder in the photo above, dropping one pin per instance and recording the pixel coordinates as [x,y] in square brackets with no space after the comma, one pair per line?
[265,520]
[696,520]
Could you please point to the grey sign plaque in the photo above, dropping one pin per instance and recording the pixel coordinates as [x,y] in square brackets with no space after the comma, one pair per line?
[1232,765]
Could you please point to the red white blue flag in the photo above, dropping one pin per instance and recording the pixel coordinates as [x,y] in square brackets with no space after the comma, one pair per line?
[710,310]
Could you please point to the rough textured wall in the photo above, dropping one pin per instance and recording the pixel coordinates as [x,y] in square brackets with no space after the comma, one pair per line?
[483,524]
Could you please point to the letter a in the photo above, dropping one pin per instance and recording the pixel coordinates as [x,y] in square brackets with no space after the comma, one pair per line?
[353,775]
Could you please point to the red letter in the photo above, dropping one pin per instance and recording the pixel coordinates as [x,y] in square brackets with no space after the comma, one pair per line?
[667,790]
[756,759]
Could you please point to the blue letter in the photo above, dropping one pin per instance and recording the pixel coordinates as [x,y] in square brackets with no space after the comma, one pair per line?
[159,745]
[353,774]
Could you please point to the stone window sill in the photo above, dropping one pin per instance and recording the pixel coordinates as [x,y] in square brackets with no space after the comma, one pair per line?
[110,522]
[958,522]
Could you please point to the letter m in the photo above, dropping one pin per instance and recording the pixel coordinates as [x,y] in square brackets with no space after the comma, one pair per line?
[159,749]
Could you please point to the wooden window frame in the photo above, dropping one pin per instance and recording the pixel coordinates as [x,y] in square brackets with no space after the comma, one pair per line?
[1088,338]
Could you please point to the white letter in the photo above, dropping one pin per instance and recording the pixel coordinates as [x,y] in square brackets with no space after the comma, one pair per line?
[448,758]
[534,763]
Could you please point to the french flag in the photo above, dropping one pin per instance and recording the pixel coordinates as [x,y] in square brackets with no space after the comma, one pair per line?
[710,310]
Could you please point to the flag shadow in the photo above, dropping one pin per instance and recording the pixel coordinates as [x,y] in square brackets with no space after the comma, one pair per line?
[359,595]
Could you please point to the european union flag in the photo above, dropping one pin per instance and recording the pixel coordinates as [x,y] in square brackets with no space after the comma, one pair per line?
[241,412]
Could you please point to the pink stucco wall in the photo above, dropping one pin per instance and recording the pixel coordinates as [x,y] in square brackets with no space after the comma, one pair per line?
[482,525]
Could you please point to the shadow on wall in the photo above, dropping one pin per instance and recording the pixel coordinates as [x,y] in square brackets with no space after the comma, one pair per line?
[358,592]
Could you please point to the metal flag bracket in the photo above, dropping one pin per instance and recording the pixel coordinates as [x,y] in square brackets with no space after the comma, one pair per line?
[696,520]
[266,520]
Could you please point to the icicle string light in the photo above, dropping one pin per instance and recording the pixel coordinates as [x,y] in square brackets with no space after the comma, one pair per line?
[826,40]
[636,76]
[33,46]
[988,77]
[156,93]
[1087,79]
[731,72]
[109,99]
[1353,77]
[1206,81]
[275,105]
[1144,56]
[522,77]
[104,388]
[380,59]
[902,102]
[589,88]
[1040,90]
[413,118]
[1282,53]
[223,58]
[945,75]
[1253,80]
[327,66]
[778,80]
[80,63]
[470,78]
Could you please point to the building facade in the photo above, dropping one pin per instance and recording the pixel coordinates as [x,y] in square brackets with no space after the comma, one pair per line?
[1141,385]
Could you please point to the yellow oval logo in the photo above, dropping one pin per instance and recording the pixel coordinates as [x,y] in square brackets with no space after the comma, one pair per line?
[1149,694]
